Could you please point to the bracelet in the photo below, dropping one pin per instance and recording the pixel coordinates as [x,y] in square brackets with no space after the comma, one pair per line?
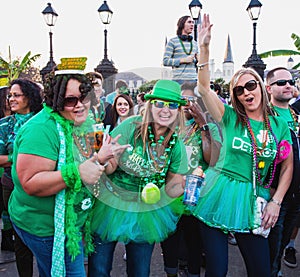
[201,65]
[205,127]
[275,202]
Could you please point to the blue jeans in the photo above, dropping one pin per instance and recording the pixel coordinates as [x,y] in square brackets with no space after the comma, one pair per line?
[254,250]
[280,235]
[137,262]
[41,248]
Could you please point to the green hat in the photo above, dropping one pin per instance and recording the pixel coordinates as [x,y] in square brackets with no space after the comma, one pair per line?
[166,90]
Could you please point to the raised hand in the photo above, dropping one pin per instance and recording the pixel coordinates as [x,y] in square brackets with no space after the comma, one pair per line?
[111,149]
[204,32]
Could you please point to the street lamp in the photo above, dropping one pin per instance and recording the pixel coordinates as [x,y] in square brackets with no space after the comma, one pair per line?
[106,67]
[254,60]
[195,8]
[50,17]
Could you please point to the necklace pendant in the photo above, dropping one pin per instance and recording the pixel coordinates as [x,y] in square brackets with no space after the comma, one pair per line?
[150,194]
[261,164]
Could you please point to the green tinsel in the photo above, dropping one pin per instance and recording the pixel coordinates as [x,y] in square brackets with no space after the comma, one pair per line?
[72,179]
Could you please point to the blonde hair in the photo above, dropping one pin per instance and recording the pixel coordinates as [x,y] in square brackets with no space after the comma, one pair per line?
[142,130]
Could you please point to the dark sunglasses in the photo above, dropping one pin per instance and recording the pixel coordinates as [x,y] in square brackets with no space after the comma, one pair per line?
[189,98]
[282,83]
[73,100]
[161,104]
[250,86]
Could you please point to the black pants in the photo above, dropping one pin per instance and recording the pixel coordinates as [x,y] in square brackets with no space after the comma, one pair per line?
[280,235]
[254,250]
[187,232]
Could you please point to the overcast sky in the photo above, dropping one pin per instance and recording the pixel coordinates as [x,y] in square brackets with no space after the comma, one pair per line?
[138,30]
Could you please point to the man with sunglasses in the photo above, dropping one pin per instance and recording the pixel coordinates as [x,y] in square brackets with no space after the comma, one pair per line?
[280,86]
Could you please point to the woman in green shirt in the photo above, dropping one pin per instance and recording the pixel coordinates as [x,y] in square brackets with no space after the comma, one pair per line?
[138,204]
[253,142]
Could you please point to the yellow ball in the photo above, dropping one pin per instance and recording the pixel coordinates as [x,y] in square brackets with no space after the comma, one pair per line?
[151,194]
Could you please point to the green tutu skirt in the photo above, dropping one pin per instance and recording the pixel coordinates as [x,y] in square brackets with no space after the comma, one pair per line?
[227,203]
[119,215]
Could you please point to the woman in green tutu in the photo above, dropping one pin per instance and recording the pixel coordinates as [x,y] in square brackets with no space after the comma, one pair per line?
[252,148]
[138,204]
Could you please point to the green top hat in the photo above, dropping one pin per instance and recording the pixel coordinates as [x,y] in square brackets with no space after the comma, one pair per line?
[166,90]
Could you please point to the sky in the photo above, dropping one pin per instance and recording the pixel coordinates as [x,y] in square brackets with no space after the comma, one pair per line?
[139,28]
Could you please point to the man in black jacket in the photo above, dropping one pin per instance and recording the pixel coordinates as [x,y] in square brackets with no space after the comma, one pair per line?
[280,85]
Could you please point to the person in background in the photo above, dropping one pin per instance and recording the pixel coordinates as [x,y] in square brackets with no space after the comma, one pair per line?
[140,99]
[254,142]
[101,110]
[121,88]
[122,108]
[289,258]
[218,90]
[181,52]
[56,180]
[280,86]
[7,241]
[139,202]
[296,93]
[24,98]
[4,105]
[201,150]
[296,103]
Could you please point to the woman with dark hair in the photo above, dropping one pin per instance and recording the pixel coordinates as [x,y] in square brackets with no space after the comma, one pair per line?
[237,196]
[56,173]
[25,101]
[4,106]
[122,108]
[181,52]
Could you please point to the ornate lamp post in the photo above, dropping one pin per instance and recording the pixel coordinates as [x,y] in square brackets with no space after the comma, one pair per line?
[254,60]
[106,67]
[195,8]
[50,17]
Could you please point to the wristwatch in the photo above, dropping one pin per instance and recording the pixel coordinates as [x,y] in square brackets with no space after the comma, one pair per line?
[204,128]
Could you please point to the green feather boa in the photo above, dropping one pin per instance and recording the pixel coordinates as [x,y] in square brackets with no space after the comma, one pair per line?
[72,179]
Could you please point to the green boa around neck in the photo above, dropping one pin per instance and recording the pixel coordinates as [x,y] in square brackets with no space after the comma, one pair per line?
[73,233]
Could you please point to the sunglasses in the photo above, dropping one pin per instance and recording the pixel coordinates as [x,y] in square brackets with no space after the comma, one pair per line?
[73,100]
[161,104]
[14,95]
[250,86]
[189,98]
[282,83]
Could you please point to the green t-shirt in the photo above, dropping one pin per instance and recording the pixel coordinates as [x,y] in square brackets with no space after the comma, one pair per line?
[286,115]
[236,159]
[32,213]
[193,144]
[134,163]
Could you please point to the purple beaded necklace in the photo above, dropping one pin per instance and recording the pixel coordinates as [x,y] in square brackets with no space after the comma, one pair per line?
[254,148]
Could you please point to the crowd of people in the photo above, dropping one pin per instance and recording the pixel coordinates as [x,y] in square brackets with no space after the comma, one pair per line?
[70,192]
